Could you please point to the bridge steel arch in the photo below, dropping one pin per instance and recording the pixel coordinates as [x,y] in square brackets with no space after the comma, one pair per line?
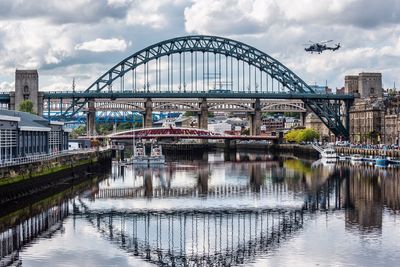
[291,84]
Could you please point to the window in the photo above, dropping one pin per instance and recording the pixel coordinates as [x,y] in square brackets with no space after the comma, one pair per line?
[26,92]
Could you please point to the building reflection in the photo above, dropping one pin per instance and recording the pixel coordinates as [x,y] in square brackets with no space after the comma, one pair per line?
[362,192]
[366,193]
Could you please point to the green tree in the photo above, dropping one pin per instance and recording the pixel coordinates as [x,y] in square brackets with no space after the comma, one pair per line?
[292,114]
[78,131]
[301,135]
[26,106]
[189,113]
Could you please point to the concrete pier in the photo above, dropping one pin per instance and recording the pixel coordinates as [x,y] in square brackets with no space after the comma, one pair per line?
[148,115]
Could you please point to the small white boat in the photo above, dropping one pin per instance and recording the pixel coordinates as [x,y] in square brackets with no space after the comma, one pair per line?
[342,157]
[356,158]
[139,154]
[156,156]
[328,153]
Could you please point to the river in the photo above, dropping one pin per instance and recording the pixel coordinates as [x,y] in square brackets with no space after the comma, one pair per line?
[216,209]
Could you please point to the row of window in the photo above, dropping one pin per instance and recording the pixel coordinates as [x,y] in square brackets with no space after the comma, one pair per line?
[14,144]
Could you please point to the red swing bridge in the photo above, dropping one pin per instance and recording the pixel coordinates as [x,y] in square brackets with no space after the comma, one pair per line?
[180,133]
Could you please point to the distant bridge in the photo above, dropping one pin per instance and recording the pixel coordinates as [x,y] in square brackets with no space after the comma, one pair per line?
[179,133]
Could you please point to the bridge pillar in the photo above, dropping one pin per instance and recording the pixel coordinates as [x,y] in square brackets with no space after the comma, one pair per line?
[203,116]
[91,119]
[303,118]
[148,115]
[255,119]
[203,180]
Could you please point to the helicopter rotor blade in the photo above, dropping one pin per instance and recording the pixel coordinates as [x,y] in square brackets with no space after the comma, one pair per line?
[327,41]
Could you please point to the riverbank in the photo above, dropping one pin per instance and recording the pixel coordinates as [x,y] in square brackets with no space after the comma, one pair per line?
[35,180]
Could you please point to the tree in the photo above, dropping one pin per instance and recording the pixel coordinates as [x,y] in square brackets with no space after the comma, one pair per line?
[301,135]
[79,131]
[189,113]
[26,106]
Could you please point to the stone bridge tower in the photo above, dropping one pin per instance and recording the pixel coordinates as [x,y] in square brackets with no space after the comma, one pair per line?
[27,87]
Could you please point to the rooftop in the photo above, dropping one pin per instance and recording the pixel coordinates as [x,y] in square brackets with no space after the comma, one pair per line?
[27,121]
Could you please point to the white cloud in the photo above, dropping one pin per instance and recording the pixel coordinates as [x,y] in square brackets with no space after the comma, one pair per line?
[152,13]
[103,45]
[230,17]
[32,43]
[65,40]
[7,86]
[118,3]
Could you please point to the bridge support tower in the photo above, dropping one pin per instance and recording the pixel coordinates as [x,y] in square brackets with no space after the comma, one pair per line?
[303,118]
[148,114]
[203,115]
[27,88]
[91,119]
[255,119]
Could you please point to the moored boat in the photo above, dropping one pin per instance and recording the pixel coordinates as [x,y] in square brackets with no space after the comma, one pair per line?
[328,153]
[356,158]
[156,156]
[139,154]
[381,162]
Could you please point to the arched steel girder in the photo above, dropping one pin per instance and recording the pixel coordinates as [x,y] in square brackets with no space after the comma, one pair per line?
[171,106]
[230,107]
[202,43]
[284,107]
[228,47]
[119,107]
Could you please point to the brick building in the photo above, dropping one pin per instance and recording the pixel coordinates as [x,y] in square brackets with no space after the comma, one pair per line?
[368,111]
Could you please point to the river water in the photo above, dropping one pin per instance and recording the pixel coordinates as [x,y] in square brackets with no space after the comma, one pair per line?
[217,209]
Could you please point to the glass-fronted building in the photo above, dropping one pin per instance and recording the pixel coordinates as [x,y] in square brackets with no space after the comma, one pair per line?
[23,135]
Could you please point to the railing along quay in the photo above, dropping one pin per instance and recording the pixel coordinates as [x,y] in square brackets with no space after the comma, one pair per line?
[37,158]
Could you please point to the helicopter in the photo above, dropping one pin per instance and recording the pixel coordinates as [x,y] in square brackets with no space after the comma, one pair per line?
[320,47]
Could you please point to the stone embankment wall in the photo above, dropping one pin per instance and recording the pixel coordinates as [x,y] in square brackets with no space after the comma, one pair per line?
[12,174]
[35,179]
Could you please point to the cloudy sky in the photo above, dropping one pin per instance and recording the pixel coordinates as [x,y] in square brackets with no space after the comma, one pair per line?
[82,39]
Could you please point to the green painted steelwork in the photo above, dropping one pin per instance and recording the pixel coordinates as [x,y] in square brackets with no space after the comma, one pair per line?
[226,95]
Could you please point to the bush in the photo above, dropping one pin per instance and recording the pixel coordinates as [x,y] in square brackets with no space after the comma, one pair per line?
[26,106]
[301,135]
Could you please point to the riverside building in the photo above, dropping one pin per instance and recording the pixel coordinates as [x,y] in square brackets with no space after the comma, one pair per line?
[25,135]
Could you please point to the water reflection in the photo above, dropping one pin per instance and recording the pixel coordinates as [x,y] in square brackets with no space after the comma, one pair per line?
[230,209]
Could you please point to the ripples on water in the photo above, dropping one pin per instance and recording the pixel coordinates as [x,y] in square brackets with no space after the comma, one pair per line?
[221,210]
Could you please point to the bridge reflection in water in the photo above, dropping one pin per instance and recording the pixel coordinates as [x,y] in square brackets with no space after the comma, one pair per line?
[41,225]
[220,233]
[197,238]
